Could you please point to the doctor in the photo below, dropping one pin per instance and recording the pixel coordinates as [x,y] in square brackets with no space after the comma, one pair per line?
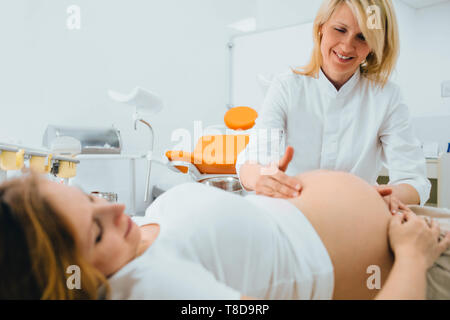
[340,112]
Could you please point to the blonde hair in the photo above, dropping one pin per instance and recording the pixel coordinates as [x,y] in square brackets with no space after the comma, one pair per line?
[383,41]
[36,247]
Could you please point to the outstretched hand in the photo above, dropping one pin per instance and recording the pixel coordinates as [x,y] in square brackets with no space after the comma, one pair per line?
[273,181]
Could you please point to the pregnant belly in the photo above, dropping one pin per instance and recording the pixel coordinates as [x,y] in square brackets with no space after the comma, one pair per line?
[352,221]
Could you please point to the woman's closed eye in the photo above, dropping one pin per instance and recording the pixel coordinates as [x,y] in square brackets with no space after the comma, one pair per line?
[360,35]
[99,235]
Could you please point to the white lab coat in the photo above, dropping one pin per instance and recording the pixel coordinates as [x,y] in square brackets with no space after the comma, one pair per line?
[356,129]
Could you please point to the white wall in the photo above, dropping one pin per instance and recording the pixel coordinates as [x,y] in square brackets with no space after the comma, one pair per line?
[423,64]
[49,74]
[424,57]
[52,75]
[406,17]
[276,13]
[432,60]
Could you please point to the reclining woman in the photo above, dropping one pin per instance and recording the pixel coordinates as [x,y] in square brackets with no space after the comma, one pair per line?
[336,240]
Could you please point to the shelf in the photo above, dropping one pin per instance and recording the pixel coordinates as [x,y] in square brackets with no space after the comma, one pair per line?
[110,156]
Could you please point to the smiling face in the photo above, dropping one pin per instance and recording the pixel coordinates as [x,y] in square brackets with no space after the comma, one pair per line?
[105,235]
[343,46]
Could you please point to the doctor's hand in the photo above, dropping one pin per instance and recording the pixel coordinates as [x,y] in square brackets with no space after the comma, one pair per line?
[417,239]
[273,182]
[393,203]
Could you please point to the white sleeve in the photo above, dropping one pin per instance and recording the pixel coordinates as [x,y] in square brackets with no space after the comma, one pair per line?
[402,153]
[169,280]
[272,115]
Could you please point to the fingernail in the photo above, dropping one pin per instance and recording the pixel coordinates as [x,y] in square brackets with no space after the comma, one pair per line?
[295,194]
[297,187]
[393,211]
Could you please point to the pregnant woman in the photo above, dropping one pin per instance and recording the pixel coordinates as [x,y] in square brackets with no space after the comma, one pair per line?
[198,242]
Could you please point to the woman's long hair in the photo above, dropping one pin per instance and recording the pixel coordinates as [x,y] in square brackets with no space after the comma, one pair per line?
[384,41]
[37,246]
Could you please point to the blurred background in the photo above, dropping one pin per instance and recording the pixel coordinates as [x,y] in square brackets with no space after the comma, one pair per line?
[50,74]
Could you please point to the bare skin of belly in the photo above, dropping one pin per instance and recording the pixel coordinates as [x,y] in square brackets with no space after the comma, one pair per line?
[352,220]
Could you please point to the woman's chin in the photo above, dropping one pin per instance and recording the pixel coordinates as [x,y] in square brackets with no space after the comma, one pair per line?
[343,68]
[339,72]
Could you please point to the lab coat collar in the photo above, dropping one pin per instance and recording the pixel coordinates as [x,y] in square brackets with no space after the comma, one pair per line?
[329,88]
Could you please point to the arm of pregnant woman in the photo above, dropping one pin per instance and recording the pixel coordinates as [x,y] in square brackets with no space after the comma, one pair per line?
[416,246]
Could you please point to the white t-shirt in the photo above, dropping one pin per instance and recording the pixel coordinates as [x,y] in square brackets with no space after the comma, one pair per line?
[356,129]
[217,245]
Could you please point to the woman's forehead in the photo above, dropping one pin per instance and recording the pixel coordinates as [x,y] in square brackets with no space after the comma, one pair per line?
[58,190]
[69,201]
[72,204]
[344,15]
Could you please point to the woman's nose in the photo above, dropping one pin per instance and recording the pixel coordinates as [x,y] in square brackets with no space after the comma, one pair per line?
[347,44]
[117,213]
[111,211]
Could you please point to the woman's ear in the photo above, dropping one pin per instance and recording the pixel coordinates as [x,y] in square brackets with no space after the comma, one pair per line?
[368,56]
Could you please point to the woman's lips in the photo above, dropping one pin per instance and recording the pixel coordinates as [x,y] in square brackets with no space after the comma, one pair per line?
[342,60]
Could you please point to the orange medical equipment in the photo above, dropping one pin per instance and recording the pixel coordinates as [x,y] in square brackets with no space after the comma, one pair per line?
[217,154]
[240,118]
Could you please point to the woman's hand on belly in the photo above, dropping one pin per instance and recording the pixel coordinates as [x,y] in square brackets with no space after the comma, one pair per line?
[271,181]
[278,185]
[394,204]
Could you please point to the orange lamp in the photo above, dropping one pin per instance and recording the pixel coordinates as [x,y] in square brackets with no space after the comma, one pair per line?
[240,118]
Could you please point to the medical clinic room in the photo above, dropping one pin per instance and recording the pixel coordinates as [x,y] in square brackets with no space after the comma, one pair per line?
[212,151]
